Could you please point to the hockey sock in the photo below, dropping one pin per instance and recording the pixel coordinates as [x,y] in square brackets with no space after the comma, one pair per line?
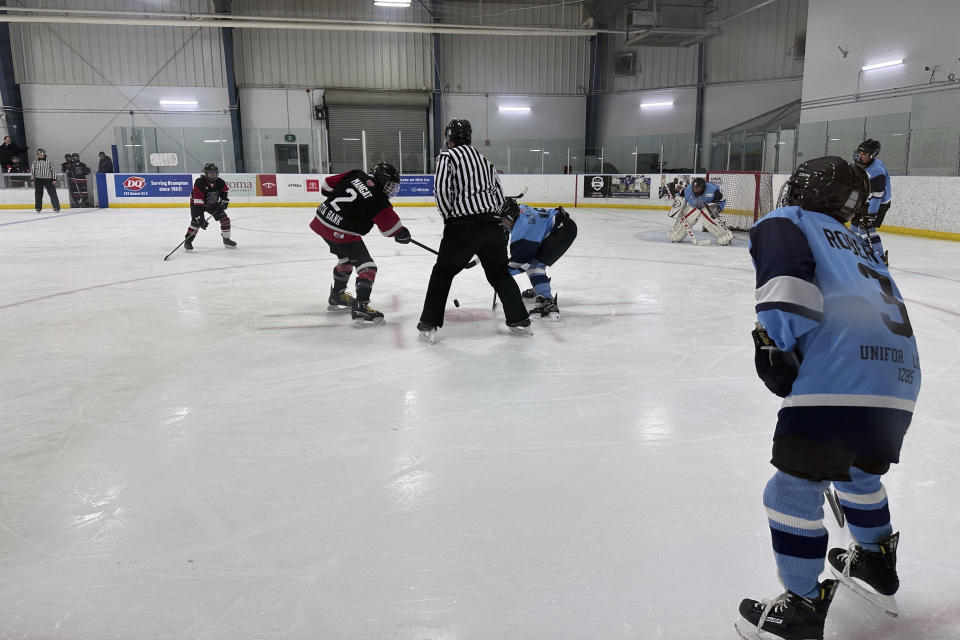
[795,514]
[877,243]
[365,277]
[864,503]
[341,274]
[538,278]
[225,226]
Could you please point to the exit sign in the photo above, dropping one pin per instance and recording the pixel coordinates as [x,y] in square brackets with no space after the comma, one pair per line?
[290,137]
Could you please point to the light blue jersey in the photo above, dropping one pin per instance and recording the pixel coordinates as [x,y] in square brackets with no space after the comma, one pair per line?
[822,291]
[528,233]
[879,185]
[710,194]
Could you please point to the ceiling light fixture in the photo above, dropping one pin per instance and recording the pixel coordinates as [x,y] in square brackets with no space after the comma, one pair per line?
[179,103]
[514,109]
[400,4]
[644,105]
[880,65]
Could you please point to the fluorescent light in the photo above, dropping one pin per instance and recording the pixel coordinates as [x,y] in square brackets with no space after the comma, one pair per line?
[535,150]
[546,153]
[179,103]
[880,65]
[350,139]
[644,105]
[214,140]
[515,109]
[391,3]
[831,140]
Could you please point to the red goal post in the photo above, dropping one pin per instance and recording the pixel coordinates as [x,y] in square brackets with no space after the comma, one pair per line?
[749,196]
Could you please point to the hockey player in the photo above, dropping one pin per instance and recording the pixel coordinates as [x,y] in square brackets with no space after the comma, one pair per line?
[209,196]
[866,225]
[699,200]
[355,201]
[77,173]
[538,239]
[834,339]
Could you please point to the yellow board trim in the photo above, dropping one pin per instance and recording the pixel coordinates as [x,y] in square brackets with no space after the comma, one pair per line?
[925,233]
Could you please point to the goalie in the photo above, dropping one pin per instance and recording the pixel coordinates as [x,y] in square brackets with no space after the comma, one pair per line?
[699,200]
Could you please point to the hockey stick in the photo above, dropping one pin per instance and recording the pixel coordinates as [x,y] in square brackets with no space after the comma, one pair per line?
[166,257]
[834,503]
[494,306]
[470,264]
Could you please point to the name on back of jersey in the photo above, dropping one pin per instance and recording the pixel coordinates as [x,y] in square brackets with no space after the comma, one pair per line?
[361,188]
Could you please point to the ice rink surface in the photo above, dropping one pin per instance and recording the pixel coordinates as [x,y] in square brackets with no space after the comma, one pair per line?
[198,449]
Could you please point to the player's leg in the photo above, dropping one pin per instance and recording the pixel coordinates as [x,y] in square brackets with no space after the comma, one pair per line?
[38,185]
[52,190]
[491,250]
[793,499]
[872,557]
[359,257]
[339,299]
[874,237]
[714,224]
[197,222]
[224,220]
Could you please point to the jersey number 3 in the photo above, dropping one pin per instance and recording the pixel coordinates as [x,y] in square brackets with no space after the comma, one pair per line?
[886,288]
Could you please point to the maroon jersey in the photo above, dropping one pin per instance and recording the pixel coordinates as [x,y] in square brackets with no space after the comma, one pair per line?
[353,204]
[208,194]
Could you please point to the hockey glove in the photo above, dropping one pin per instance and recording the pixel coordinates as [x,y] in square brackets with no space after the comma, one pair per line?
[224,203]
[200,221]
[508,215]
[402,236]
[778,369]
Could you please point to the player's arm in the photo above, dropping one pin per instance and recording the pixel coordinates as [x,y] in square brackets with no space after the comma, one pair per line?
[328,184]
[878,186]
[444,183]
[389,223]
[789,303]
[719,200]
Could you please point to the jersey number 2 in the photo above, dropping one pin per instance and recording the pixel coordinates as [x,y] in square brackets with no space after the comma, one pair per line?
[886,288]
[350,197]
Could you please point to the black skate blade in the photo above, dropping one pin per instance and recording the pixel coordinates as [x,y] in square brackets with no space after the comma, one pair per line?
[887,604]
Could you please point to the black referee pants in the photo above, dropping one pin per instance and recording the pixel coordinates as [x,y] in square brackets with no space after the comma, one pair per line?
[462,241]
[39,185]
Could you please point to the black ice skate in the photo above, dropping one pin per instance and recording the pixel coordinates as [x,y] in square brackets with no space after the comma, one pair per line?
[227,242]
[339,301]
[364,315]
[546,308]
[855,567]
[188,242]
[520,327]
[428,332]
[528,294]
[787,616]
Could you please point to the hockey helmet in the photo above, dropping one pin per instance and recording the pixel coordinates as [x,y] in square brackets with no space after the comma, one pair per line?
[211,172]
[459,131]
[385,175]
[869,148]
[43,151]
[830,185]
[698,186]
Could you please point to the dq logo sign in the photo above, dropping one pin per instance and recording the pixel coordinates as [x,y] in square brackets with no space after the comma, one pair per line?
[134,183]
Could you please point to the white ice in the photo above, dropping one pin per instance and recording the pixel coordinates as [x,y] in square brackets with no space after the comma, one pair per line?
[197,449]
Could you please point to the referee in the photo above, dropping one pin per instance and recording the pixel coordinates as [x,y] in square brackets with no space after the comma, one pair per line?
[42,173]
[470,199]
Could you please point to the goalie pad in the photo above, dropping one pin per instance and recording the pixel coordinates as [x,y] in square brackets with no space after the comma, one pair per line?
[686,217]
[713,223]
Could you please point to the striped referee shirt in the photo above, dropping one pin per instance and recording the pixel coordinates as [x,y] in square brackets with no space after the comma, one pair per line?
[466,185]
[42,170]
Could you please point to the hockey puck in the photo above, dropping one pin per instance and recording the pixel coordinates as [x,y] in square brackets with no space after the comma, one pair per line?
[456,302]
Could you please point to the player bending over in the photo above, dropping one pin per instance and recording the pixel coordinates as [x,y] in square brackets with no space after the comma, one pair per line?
[355,201]
[209,196]
[538,238]
[699,200]
[834,340]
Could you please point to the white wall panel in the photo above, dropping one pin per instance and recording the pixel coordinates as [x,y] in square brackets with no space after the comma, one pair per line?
[758,45]
[120,55]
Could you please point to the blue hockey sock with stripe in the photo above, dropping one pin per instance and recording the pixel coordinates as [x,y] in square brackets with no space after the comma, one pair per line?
[795,514]
[864,503]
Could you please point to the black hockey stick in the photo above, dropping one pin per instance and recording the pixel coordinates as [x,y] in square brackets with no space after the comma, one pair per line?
[166,257]
[470,264]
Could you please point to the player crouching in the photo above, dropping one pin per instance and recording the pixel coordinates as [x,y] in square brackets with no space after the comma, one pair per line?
[209,196]
[699,200]
[354,202]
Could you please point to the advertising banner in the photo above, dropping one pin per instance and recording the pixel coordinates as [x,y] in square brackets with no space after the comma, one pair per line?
[596,186]
[266,184]
[240,184]
[416,186]
[630,186]
[159,185]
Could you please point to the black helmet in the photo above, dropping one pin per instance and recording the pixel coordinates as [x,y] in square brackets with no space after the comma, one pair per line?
[830,185]
[459,131]
[41,150]
[868,147]
[698,186]
[210,171]
[386,175]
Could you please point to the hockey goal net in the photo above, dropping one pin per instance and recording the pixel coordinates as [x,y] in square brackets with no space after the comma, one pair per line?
[749,196]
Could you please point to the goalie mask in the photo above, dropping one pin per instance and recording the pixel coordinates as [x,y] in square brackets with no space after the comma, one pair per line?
[211,172]
[830,185]
[385,175]
[698,186]
[866,152]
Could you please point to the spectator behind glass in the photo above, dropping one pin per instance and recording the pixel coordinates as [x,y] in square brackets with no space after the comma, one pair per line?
[8,150]
[15,166]
[106,164]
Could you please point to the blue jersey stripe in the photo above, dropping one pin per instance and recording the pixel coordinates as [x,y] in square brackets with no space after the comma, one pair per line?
[867,518]
[779,248]
[789,307]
